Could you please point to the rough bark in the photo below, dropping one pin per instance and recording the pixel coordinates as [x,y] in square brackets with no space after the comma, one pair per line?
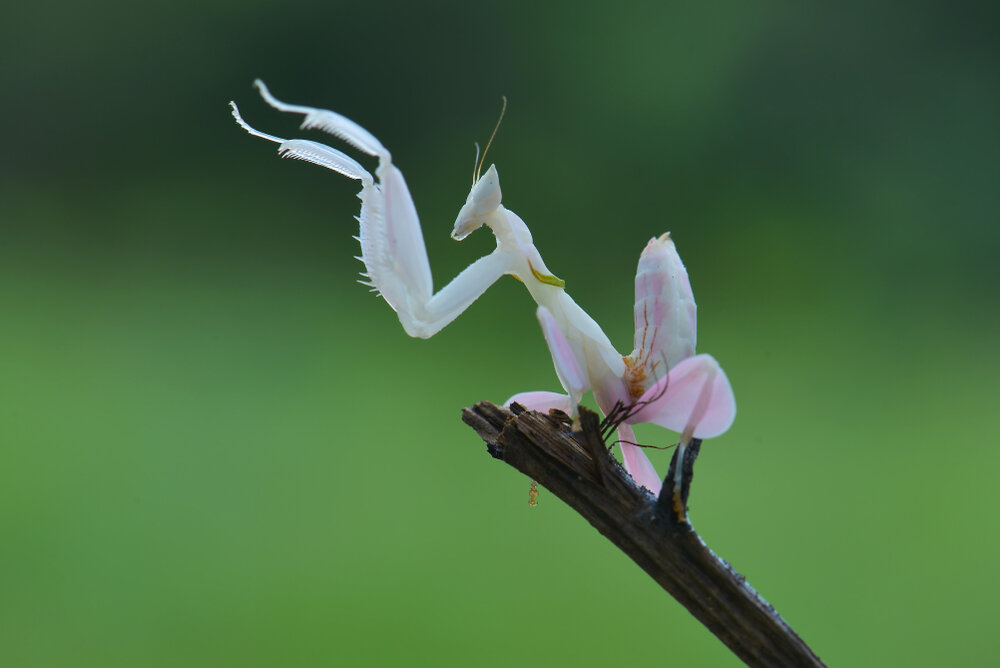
[577,467]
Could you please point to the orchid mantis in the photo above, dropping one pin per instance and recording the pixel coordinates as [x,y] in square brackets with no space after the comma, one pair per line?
[661,381]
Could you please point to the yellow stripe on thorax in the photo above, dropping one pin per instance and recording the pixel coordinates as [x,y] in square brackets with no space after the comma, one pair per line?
[548,279]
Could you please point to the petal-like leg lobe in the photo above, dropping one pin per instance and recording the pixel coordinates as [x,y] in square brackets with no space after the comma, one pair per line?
[542,401]
[636,462]
[698,401]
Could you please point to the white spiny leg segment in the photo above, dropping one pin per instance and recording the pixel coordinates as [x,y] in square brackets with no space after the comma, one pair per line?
[324,156]
[250,129]
[392,244]
[392,248]
[310,151]
[329,121]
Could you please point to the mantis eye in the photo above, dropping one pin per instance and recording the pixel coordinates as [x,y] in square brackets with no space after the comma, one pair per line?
[485,195]
[483,200]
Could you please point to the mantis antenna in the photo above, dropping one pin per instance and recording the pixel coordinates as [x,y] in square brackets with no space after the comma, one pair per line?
[482,159]
[475,164]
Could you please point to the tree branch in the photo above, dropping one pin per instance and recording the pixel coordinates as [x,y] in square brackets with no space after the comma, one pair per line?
[577,467]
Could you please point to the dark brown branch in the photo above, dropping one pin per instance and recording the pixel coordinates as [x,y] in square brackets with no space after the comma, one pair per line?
[576,467]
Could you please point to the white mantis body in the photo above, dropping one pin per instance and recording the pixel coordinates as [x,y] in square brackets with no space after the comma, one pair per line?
[661,381]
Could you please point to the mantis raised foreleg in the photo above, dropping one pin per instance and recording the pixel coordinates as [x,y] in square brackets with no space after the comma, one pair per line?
[392,245]
[661,381]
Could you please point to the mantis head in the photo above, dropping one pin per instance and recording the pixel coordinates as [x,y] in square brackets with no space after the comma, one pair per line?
[483,202]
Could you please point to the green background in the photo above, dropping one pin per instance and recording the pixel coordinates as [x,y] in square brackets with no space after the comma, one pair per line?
[216,449]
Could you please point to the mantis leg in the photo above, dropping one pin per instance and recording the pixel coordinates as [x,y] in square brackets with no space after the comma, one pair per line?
[392,244]
[424,319]
[636,462]
[542,401]
[572,377]
[694,398]
[576,382]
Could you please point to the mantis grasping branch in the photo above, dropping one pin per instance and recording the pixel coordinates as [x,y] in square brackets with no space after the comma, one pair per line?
[661,381]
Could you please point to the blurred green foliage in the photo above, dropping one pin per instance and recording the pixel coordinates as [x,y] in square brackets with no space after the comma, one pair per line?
[216,450]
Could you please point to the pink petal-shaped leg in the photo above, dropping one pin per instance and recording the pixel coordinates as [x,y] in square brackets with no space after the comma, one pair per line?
[572,377]
[542,401]
[698,401]
[636,462]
